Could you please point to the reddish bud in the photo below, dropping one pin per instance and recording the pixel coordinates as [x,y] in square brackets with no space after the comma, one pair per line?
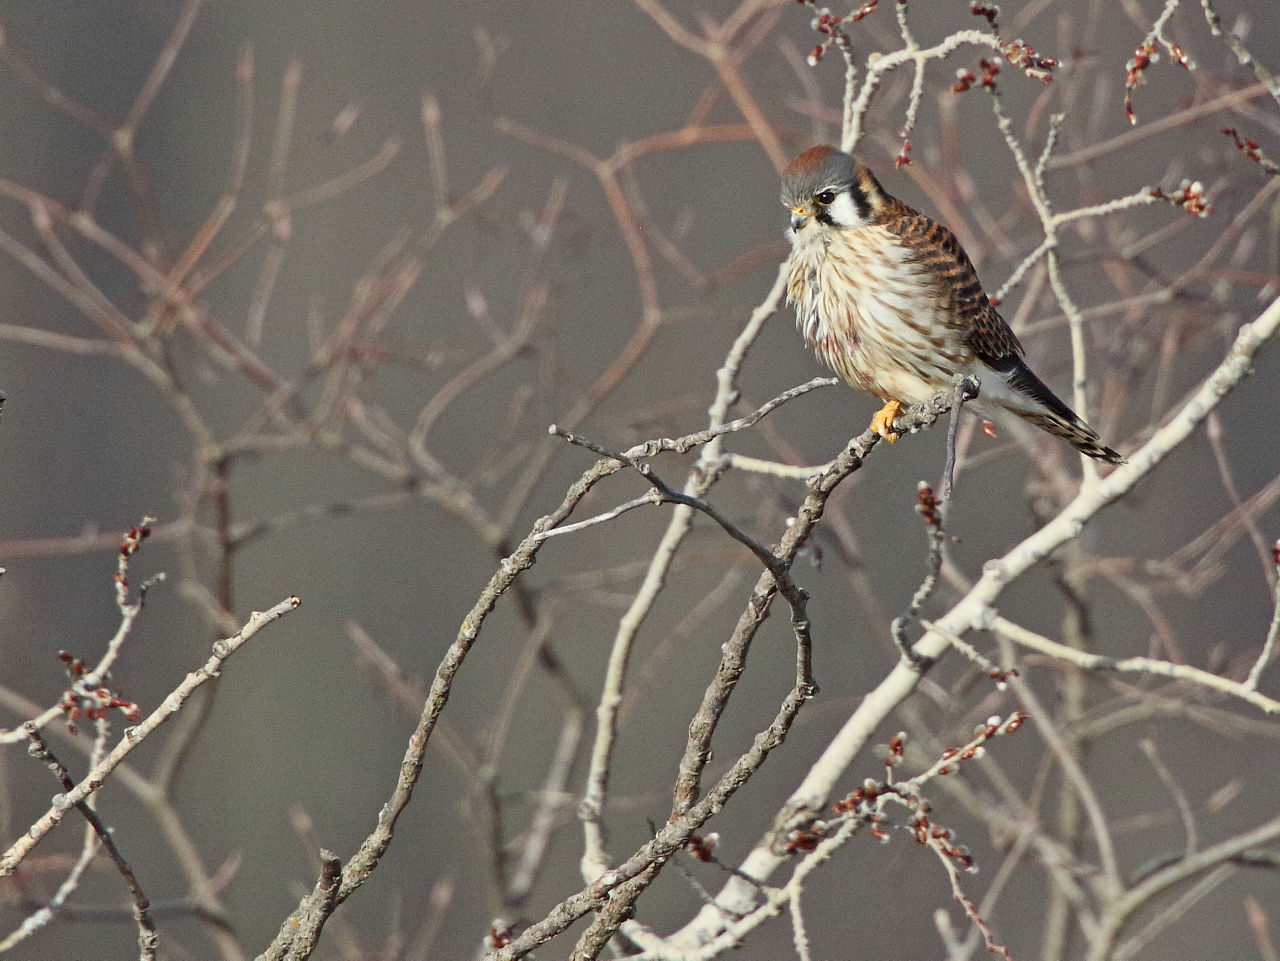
[867,8]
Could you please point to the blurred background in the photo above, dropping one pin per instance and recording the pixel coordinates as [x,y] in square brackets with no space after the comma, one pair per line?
[605,217]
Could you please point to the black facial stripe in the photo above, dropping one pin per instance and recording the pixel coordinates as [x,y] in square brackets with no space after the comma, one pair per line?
[860,202]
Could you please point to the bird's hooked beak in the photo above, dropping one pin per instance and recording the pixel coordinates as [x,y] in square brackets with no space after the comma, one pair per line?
[800,216]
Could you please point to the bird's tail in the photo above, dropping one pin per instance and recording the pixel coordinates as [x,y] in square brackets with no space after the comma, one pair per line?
[1075,432]
[1050,414]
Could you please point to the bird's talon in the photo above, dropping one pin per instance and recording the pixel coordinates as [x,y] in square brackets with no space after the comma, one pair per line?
[882,423]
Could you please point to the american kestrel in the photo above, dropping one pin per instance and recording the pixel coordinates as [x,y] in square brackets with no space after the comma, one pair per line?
[890,301]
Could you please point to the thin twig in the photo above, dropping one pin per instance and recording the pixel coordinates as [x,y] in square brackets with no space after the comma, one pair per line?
[135,735]
[1269,646]
[148,939]
[1138,665]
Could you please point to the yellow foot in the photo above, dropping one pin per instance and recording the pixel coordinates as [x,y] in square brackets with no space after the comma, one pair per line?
[882,423]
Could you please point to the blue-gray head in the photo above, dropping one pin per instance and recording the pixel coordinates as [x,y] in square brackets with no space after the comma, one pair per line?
[828,187]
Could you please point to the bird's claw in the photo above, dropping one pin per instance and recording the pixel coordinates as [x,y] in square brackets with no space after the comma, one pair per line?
[882,423]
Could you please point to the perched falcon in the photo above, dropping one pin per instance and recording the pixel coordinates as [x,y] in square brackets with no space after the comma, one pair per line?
[890,301]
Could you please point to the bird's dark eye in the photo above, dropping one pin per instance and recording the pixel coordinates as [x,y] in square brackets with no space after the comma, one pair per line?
[826,198]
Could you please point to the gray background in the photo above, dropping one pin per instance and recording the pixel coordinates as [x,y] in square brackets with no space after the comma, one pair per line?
[86,444]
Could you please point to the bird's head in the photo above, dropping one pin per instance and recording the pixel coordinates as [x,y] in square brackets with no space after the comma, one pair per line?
[828,188]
